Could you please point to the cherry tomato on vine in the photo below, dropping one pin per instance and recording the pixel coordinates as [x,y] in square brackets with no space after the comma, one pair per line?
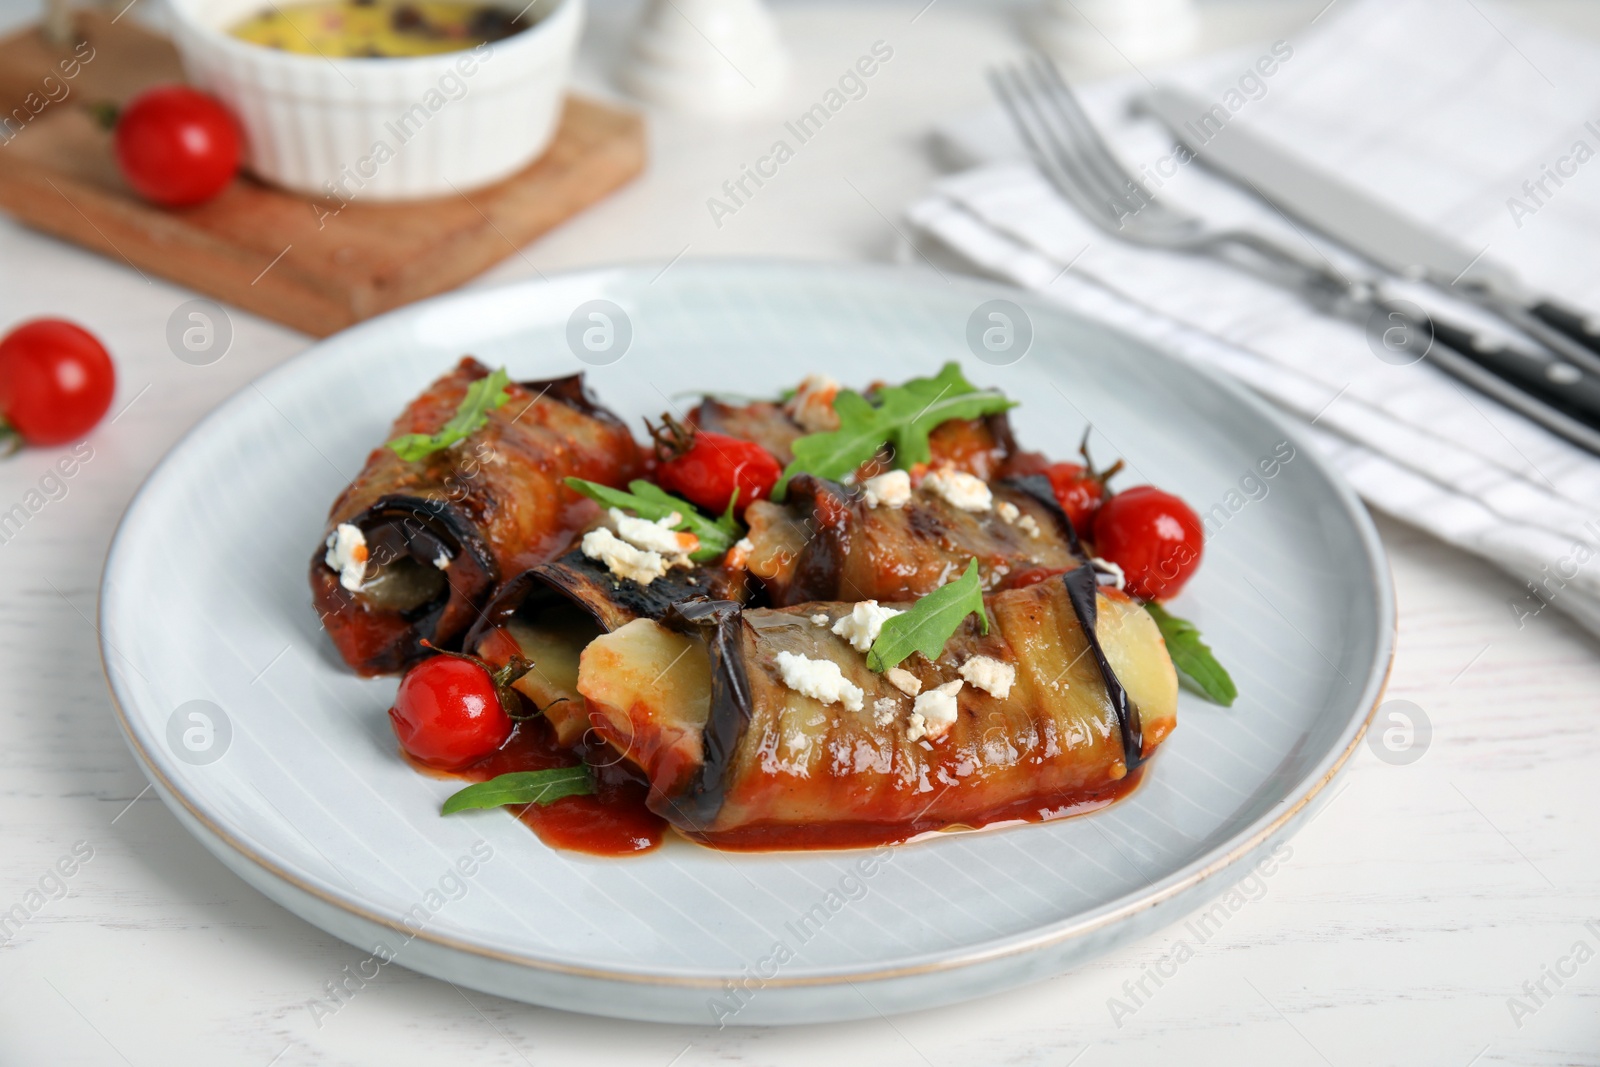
[1079,487]
[705,468]
[448,712]
[56,382]
[176,146]
[1153,536]
[1077,491]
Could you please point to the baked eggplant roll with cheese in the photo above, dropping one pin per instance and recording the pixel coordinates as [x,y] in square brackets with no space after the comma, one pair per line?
[985,447]
[549,613]
[761,421]
[886,541]
[763,728]
[413,547]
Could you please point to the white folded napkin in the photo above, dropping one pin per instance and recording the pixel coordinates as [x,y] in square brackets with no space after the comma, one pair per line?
[1444,110]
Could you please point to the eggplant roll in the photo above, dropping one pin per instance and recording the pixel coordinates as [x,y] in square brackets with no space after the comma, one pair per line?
[761,421]
[548,613]
[826,543]
[421,545]
[737,758]
[985,447]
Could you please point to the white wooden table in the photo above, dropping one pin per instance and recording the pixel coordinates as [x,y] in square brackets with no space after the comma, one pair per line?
[1412,911]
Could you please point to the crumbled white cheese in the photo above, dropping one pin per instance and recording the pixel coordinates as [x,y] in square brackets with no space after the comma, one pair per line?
[903,680]
[934,712]
[622,559]
[819,679]
[891,490]
[738,557]
[442,561]
[819,619]
[1008,511]
[1028,525]
[812,404]
[884,710]
[658,536]
[965,491]
[347,554]
[1108,573]
[990,675]
[862,625]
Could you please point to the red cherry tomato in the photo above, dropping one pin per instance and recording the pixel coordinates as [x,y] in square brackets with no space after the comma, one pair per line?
[707,468]
[56,381]
[1078,492]
[447,713]
[1153,536]
[177,146]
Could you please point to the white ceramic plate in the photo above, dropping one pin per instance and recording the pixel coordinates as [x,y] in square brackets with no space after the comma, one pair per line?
[296,784]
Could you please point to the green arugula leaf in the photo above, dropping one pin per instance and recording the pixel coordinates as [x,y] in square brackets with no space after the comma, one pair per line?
[522,787]
[649,501]
[901,416]
[483,396]
[930,622]
[1192,657]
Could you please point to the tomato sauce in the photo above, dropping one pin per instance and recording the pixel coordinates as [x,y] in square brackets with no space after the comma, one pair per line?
[757,838]
[969,445]
[613,821]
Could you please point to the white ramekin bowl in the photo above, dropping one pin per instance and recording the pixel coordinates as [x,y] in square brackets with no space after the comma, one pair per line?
[384,129]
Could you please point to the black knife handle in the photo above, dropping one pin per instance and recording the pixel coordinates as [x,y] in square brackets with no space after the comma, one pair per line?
[1573,324]
[1560,396]
[1554,381]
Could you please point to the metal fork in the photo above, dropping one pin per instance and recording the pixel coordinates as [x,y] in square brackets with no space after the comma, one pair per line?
[1072,155]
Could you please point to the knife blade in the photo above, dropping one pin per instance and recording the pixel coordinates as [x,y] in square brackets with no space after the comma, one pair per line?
[1379,233]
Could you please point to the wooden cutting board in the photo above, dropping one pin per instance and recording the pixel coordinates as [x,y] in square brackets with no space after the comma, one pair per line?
[275,253]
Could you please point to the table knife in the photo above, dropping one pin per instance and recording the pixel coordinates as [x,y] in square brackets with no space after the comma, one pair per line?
[1379,233]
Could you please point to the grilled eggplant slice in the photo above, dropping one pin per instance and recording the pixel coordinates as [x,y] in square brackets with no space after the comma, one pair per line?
[825,543]
[761,421]
[984,446]
[589,587]
[737,759]
[442,532]
[549,613]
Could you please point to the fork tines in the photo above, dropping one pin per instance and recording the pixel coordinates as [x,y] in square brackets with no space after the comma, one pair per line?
[1066,146]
